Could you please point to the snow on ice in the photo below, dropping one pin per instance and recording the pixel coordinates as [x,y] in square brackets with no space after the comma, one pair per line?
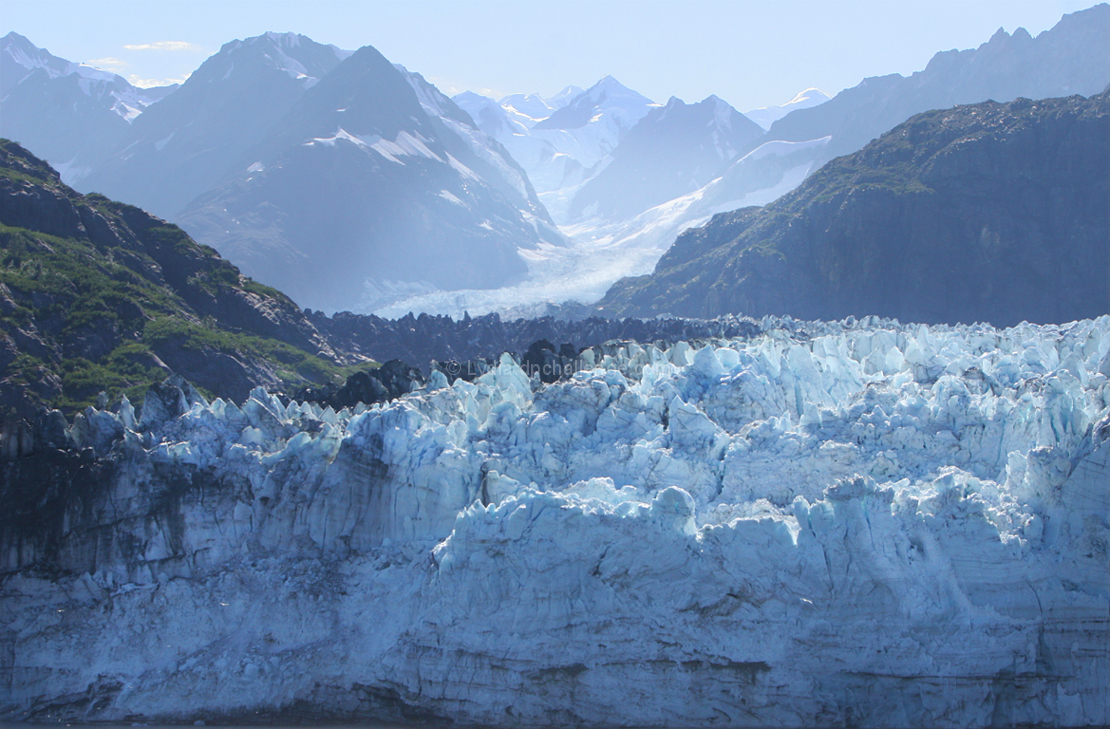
[856,522]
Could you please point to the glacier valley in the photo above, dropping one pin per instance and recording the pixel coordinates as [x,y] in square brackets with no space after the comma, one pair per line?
[853,523]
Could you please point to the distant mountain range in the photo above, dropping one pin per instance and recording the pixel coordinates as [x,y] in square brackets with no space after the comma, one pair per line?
[372,182]
[184,147]
[571,143]
[1070,58]
[71,114]
[986,212]
[99,299]
[352,183]
[674,150]
[321,171]
[765,116]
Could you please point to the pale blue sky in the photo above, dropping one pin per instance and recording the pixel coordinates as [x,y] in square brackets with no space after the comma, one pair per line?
[751,53]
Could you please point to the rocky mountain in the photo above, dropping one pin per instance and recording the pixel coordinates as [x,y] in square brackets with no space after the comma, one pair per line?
[100,296]
[672,151]
[70,114]
[224,152]
[187,145]
[534,108]
[986,212]
[1069,58]
[372,183]
[97,296]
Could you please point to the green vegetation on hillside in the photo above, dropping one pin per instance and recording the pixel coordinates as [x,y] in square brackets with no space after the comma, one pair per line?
[112,300]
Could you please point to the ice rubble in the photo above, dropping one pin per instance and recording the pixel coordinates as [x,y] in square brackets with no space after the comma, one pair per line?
[865,523]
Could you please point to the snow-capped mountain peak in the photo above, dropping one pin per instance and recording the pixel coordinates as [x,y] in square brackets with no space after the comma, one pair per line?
[672,151]
[533,106]
[20,59]
[296,55]
[565,96]
[606,98]
[765,116]
[25,54]
[20,53]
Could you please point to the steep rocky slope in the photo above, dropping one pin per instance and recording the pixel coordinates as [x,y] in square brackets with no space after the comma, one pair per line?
[1069,58]
[186,145]
[987,212]
[97,295]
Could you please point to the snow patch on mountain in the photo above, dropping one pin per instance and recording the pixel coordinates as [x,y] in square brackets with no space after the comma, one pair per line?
[765,116]
[564,148]
[129,101]
[405,145]
[600,254]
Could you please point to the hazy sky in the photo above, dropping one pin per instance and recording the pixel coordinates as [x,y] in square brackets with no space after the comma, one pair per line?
[751,53]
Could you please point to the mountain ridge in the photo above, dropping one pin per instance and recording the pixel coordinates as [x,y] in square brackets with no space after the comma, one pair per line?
[985,212]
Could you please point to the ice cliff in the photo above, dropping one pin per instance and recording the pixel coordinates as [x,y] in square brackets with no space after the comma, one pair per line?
[856,523]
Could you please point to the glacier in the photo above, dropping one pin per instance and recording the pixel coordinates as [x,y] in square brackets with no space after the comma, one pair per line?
[857,523]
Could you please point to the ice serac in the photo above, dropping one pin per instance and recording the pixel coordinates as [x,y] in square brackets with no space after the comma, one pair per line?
[859,523]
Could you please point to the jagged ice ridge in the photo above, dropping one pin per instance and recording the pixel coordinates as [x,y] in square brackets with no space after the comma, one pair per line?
[866,523]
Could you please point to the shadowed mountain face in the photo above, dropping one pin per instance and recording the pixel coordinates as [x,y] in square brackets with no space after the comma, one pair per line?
[571,139]
[359,189]
[336,176]
[987,212]
[185,145]
[1069,58]
[72,114]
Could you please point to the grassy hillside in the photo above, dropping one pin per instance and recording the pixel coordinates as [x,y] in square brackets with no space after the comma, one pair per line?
[97,296]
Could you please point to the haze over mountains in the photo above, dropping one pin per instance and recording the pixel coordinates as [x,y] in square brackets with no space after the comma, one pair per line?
[370,166]
[984,212]
[354,184]
[72,114]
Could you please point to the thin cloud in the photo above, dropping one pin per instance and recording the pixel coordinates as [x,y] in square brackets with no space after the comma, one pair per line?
[146,83]
[108,62]
[164,46]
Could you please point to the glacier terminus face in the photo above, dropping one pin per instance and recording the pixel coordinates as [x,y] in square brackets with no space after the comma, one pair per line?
[853,523]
